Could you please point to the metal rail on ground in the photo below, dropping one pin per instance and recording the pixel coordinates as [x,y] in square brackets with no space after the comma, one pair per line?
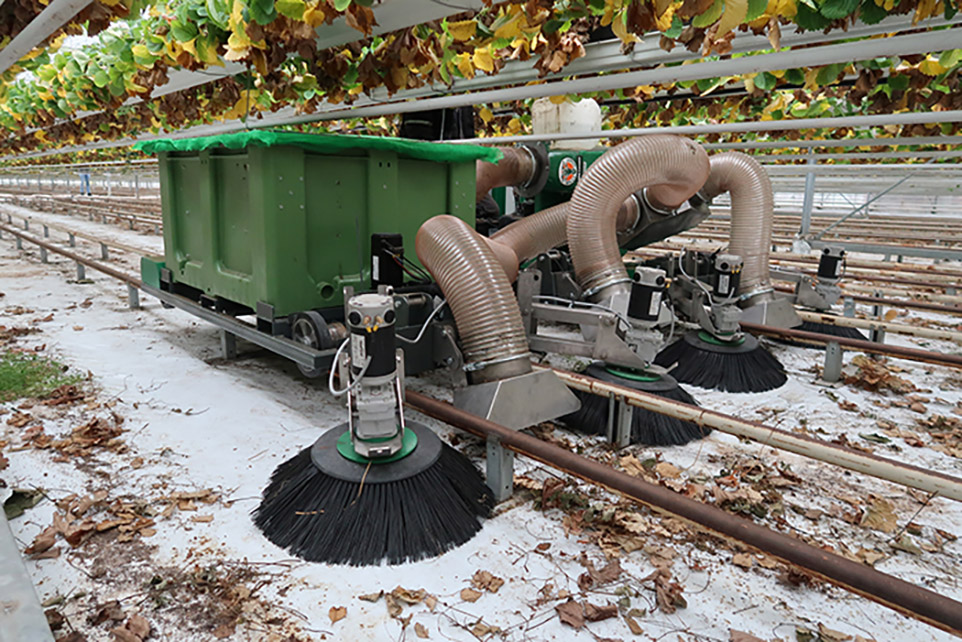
[899,595]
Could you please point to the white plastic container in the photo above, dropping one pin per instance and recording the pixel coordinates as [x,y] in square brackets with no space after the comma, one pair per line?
[567,117]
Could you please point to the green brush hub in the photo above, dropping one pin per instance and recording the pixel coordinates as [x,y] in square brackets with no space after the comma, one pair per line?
[632,374]
[709,338]
[345,446]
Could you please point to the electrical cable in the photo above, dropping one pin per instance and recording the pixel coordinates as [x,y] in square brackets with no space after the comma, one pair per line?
[360,375]
[424,326]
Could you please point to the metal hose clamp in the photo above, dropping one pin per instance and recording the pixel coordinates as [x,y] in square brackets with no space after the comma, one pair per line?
[598,288]
[481,365]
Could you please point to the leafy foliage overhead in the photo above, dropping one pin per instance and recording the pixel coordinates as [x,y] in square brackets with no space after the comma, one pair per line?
[277,40]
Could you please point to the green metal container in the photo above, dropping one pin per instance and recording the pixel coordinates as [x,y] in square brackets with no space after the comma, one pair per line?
[565,169]
[285,220]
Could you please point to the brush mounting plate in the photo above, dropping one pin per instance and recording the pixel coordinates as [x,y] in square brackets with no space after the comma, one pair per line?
[328,460]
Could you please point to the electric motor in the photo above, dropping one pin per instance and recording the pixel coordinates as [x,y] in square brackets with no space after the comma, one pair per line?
[647,287]
[370,319]
[728,274]
[830,263]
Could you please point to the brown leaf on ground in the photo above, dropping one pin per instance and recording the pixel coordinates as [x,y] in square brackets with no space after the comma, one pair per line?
[470,595]
[42,542]
[65,394]
[595,613]
[139,626]
[876,375]
[337,613]
[826,634]
[667,470]
[421,631]
[19,420]
[55,619]
[225,630]
[371,597]
[741,636]
[571,613]
[73,636]
[593,577]
[108,611]
[430,601]
[745,560]
[408,595]
[879,515]
[668,594]
[121,634]
[485,581]
[552,487]
[633,625]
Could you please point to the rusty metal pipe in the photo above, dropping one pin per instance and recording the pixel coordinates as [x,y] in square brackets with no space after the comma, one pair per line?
[899,595]
[910,354]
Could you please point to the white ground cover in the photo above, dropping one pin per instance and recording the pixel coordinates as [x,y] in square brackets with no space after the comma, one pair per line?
[195,423]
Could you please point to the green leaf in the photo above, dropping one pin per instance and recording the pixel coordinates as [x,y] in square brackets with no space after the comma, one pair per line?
[950,58]
[551,26]
[836,9]
[898,82]
[218,12]
[765,81]
[755,10]
[810,19]
[262,11]
[293,9]
[341,5]
[794,76]
[829,73]
[870,13]
[101,79]
[677,26]
[183,32]
[950,10]
[709,17]
[21,500]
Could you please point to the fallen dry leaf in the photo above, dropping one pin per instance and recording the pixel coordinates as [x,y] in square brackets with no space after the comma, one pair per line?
[337,613]
[202,518]
[421,631]
[667,470]
[485,581]
[595,613]
[741,636]
[829,635]
[139,626]
[879,515]
[633,625]
[470,595]
[745,560]
[571,613]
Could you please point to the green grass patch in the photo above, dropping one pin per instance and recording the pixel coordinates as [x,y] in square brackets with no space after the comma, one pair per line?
[29,375]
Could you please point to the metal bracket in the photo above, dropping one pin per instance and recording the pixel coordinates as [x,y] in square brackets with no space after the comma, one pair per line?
[519,402]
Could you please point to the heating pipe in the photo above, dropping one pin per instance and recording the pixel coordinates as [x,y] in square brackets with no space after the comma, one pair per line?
[908,599]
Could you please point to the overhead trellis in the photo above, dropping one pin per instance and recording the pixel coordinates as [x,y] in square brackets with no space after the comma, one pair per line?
[277,39]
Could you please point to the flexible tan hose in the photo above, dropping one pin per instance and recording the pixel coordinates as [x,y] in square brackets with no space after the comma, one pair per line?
[752,214]
[547,229]
[515,167]
[672,168]
[480,297]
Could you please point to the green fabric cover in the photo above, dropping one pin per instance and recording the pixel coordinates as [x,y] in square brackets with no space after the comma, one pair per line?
[327,144]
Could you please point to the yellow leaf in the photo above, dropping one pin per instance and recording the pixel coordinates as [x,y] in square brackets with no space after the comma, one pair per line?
[735,12]
[663,22]
[782,8]
[557,100]
[463,29]
[40,135]
[510,29]
[189,47]
[110,3]
[514,125]
[931,68]
[314,15]
[485,114]
[661,6]
[749,83]
[620,30]
[482,60]
[465,66]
